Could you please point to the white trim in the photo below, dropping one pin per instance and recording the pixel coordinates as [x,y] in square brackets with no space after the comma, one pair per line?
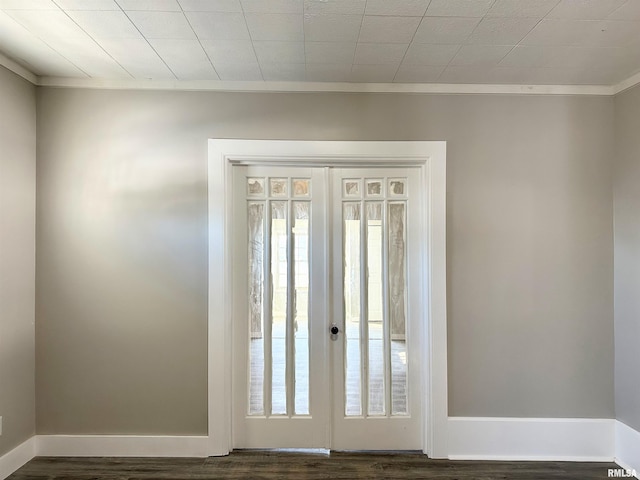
[121,446]
[222,154]
[219,298]
[470,438]
[436,382]
[558,439]
[222,86]
[227,86]
[630,82]
[627,447]
[18,69]
[16,458]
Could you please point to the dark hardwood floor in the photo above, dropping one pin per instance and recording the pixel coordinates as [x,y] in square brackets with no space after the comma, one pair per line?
[304,466]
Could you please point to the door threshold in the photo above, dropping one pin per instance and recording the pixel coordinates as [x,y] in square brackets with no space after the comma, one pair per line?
[328,452]
[303,451]
[381,452]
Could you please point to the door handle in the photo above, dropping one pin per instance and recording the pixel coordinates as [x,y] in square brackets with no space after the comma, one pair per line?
[334,329]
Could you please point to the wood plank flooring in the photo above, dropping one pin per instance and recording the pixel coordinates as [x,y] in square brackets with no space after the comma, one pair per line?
[268,465]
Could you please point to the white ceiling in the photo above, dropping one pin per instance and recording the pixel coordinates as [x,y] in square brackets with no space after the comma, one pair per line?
[554,42]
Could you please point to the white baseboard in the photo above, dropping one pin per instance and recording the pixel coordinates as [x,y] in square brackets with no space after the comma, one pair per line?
[627,447]
[121,446]
[470,438]
[559,439]
[16,458]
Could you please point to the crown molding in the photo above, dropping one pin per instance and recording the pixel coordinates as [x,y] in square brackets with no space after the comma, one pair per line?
[309,87]
[225,86]
[630,82]
[18,69]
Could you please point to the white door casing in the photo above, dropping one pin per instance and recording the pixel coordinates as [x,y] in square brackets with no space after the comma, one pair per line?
[430,158]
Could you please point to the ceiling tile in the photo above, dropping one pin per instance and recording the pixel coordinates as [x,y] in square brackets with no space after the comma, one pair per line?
[418,74]
[585,9]
[573,76]
[275,26]
[379,53]
[633,51]
[241,72]
[527,56]
[218,25]
[397,7]
[279,52]
[344,7]
[48,24]
[458,8]
[89,57]
[88,4]
[466,74]
[613,33]
[521,8]
[480,55]
[137,57]
[598,77]
[283,72]
[331,28]
[36,55]
[578,42]
[513,75]
[453,30]
[501,30]
[272,6]
[211,6]
[167,25]
[573,57]
[28,5]
[426,54]
[329,52]
[592,58]
[583,33]
[561,32]
[157,5]
[105,24]
[628,11]
[51,65]
[570,76]
[229,51]
[328,72]
[387,29]
[373,73]
[186,58]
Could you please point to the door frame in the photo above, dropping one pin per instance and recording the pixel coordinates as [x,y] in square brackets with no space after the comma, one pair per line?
[430,157]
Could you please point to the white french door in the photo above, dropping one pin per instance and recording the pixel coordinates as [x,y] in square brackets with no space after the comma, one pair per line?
[377,307]
[327,286]
[280,347]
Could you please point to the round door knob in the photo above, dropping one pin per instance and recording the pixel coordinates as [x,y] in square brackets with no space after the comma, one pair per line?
[334,330]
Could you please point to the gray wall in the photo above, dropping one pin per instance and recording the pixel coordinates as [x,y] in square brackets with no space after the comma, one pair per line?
[17,258]
[627,257]
[122,246]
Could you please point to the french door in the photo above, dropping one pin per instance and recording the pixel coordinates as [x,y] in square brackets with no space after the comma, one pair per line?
[327,286]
